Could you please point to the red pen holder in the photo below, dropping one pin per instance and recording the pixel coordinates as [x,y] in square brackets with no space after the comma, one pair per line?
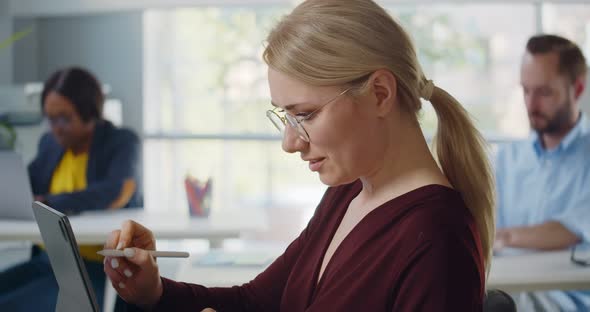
[199,196]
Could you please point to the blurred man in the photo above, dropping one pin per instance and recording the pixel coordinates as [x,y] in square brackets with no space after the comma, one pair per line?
[543,183]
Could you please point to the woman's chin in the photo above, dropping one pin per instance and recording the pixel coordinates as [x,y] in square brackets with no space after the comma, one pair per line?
[326,179]
[332,180]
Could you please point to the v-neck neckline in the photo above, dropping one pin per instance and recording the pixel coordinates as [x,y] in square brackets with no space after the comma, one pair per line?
[318,281]
[317,278]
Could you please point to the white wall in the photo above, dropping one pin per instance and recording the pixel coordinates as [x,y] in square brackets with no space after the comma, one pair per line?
[109,45]
[25,63]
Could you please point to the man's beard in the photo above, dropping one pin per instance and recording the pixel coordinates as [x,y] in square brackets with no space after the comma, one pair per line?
[555,124]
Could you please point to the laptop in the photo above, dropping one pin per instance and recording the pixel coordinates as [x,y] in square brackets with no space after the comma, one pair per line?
[75,289]
[16,196]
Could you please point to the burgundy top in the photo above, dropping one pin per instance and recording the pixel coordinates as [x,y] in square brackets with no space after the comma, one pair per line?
[417,252]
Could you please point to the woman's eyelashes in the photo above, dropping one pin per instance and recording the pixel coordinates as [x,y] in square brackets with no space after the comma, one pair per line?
[303,115]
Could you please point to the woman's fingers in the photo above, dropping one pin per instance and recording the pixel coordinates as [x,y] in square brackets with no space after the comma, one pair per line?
[136,284]
[127,234]
[140,257]
[134,234]
[112,269]
[120,269]
[135,276]
[124,267]
[112,240]
[123,276]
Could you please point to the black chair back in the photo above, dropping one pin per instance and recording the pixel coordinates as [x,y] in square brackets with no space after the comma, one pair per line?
[498,301]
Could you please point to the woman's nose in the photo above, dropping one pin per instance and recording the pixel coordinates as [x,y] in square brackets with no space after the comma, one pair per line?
[292,142]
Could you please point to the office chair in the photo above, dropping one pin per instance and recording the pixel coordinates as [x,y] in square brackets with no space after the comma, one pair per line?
[498,301]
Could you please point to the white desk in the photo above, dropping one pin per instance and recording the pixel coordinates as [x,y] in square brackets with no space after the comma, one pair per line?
[538,271]
[228,275]
[530,272]
[94,227]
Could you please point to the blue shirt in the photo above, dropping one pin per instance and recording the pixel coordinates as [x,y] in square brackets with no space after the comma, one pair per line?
[535,185]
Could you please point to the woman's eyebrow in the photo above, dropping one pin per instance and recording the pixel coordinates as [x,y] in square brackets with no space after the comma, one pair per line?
[290,106]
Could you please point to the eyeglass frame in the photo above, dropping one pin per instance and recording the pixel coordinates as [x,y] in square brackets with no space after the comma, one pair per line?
[59,121]
[579,262]
[296,122]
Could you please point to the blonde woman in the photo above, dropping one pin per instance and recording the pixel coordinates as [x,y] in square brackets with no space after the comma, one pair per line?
[394,232]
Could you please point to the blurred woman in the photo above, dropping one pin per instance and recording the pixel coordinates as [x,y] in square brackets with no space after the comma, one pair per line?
[83,163]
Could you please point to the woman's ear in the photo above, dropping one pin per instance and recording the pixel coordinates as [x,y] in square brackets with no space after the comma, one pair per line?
[383,85]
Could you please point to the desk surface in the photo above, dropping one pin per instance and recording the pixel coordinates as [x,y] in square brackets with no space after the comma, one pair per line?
[94,227]
[223,275]
[529,272]
[538,271]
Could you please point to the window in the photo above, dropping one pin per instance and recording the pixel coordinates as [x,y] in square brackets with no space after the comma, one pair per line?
[205,80]
[466,51]
[206,93]
[569,20]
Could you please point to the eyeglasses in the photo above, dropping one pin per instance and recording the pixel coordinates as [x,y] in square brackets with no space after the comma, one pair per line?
[296,122]
[59,121]
[578,260]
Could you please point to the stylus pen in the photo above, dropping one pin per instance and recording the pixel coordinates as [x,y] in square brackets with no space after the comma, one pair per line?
[129,253]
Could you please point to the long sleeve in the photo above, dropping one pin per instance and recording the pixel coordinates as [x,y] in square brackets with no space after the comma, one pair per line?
[261,294]
[264,293]
[122,169]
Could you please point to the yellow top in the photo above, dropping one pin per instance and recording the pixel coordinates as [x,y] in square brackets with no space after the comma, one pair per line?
[70,176]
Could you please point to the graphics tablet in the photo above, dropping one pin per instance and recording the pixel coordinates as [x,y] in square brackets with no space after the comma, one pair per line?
[75,288]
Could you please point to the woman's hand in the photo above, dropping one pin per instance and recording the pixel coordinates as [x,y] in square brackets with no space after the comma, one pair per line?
[135,277]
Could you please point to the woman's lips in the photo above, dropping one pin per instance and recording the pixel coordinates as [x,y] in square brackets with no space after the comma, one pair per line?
[315,164]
